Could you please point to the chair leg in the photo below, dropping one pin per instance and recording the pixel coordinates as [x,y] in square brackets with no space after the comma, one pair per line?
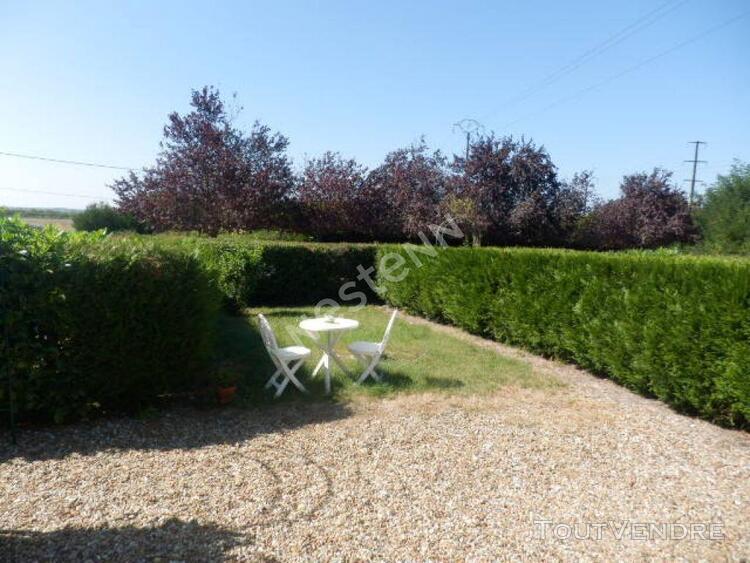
[272,380]
[280,388]
[370,369]
[283,375]
[289,372]
[320,365]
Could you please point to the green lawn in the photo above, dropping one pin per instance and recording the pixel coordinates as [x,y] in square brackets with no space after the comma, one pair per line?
[417,358]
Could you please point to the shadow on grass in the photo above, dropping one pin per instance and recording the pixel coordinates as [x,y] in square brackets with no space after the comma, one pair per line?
[392,382]
[442,382]
[173,540]
[241,345]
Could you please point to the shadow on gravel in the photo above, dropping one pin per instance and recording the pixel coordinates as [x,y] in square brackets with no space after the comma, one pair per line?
[173,540]
[172,430]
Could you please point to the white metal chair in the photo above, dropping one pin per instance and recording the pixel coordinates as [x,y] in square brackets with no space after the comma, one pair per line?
[369,353]
[287,360]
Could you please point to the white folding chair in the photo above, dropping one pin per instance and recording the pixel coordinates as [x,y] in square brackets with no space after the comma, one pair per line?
[369,353]
[287,360]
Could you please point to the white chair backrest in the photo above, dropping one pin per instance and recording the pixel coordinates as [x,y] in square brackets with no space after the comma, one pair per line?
[266,332]
[388,329]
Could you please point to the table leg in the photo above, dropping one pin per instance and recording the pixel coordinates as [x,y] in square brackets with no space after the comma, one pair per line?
[336,359]
[336,337]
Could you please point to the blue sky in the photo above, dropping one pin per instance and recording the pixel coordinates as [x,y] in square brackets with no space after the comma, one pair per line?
[94,81]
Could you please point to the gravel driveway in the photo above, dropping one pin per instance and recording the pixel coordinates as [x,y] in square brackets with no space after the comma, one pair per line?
[427,476]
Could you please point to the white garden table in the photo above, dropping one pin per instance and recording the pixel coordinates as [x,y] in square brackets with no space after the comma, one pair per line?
[326,332]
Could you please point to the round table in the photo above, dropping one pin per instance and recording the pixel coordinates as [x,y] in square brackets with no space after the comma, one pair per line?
[333,329]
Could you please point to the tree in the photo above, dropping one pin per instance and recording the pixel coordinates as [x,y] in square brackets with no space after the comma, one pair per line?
[650,213]
[210,176]
[514,184]
[575,202]
[467,214]
[332,198]
[725,216]
[405,192]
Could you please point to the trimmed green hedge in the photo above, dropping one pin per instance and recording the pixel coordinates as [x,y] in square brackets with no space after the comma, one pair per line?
[252,272]
[108,323]
[676,328]
[93,324]
[306,274]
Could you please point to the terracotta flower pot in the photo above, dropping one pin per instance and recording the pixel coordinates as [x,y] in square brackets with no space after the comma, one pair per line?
[226,394]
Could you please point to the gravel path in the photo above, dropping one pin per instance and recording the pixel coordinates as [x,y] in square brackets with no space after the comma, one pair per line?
[415,477]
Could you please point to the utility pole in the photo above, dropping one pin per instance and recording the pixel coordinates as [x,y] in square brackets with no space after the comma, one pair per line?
[695,162]
[468,127]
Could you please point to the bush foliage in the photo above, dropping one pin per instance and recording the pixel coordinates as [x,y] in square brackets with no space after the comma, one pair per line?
[725,216]
[673,327]
[103,216]
[91,323]
[95,323]
[255,272]
[213,177]
[651,213]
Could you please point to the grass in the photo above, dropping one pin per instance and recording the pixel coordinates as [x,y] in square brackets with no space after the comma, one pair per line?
[417,358]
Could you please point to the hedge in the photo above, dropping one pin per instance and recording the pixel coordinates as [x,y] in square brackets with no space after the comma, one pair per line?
[672,327]
[94,324]
[252,272]
[109,323]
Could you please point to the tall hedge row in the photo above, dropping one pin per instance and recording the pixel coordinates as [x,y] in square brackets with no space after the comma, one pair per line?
[251,272]
[96,323]
[676,328]
[91,324]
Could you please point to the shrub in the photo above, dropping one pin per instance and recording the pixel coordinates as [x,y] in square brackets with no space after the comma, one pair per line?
[103,216]
[286,236]
[725,217]
[91,323]
[235,266]
[651,212]
[301,274]
[673,327]
[253,272]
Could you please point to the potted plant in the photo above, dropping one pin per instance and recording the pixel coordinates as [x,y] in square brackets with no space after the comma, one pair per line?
[226,381]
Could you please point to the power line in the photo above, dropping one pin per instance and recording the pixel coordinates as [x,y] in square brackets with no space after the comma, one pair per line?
[641,23]
[43,192]
[63,161]
[468,127]
[633,68]
[695,162]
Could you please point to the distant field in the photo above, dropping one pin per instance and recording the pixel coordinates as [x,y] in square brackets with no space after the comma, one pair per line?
[64,224]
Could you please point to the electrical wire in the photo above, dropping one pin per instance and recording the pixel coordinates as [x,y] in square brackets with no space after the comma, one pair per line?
[43,192]
[63,161]
[615,39]
[633,68]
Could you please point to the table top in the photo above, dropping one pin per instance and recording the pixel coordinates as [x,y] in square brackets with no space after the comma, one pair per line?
[324,325]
